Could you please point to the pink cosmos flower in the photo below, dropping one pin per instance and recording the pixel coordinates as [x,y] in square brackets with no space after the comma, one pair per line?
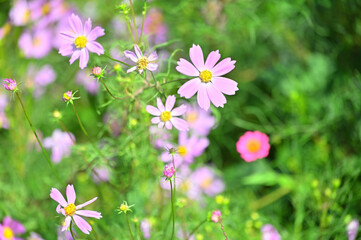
[143,62]
[253,146]
[100,174]
[200,121]
[42,78]
[352,229]
[207,81]
[168,171]
[73,212]
[166,116]
[9,84]
[36,43]
[216,216]
[79,40]
[20,13]
[145,227]
[155,27]
[207,180]
[60,143]
[47,11]
[270,233]
[9,228]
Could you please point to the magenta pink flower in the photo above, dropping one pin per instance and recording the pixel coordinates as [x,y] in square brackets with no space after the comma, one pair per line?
[208,83]
[73,212]
[168,171]
[166,116]
[9,84]
[216,216]
[143,62]
[253,146]
[9,228]
[270,233]
[352,229]
[79,40]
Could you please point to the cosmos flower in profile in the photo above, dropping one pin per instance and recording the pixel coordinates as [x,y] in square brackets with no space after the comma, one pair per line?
[208,82]
[79,40]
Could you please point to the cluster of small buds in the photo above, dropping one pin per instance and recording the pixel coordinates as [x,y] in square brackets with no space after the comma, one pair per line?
[123,8]
[215,216]
[125,208]
[10,85]
[69,97]
[168,171]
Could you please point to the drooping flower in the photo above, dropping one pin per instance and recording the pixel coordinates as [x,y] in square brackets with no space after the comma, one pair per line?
[36,43]
[34,236]
[9,228]
[145,227]
[166,116]
[73,212]
[352,229]
[208,181]
[253,146]
[60,143]
[20,13]
[143,62]
[207,81]
[155,27]
[200,121]
[168,171]
[84,78]
[79,40]
[216,216]
[10,84]
[270,233]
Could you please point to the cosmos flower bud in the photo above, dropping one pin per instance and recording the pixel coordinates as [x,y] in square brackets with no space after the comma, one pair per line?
[97,71]
[168,171]
[67,96]
[124,208]
[10,84]
[216,216]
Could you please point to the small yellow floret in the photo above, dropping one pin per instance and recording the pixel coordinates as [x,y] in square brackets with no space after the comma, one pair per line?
[165,116]
[8,233]
[142,63]
[80,42]
[205,76]
[70,209]
[182,150]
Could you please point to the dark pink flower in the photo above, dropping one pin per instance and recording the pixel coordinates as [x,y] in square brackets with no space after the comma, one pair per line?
[168,171]
[270,233]
[79,41]
[9,84]
[253,146]
[216,216]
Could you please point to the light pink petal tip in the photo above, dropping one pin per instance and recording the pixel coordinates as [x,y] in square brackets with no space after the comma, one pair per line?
[70,194]
[169,104]
[83,225]
[86,203]
[89,213]
[56,195]
[196,55]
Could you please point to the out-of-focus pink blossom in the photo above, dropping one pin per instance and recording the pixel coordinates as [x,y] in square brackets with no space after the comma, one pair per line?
[40,78]
[216,216]
[270,233]
[352,229]
[100,174]
[200,121]
[9,228]
[253,146]
[145,227]
[20,13]
[36,43]
[60,143]
[34,236]
[208,181]
[84,78]
[155,27]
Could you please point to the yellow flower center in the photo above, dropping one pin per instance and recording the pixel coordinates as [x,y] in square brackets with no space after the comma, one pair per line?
[142,63]
[253,145]
[26,16]
[124,207]
[80,42]
[45,8]
[37,41]
[206,182]
[182,150]
[205,76]
[185,185]
[191,117]
[8,233]
[165,116]
[70,209]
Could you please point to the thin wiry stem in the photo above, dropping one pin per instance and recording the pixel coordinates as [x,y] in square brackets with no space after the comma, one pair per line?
[71,229]
[37,138]
[130,230]
[144,13]
[156,84]
[196,228]
[106,88]
[134,24]
[116,60]
[172,201]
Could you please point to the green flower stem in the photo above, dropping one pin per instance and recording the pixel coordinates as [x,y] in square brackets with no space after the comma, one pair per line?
[71,229]
[161,91]
[270,198]
[129,28]
[66,130]
[134,24]
[106,88]
[116,60]
[172,201]
[144,13]
[196,228]
[130,230]
[224,233]
[37,138]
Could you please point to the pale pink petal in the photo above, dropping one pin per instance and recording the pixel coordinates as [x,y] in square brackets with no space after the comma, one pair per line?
[70,194]
[223,67]
[169,104]
[168,125]
[67,37]
[179,110]
[160,105]
[86,203]
[155,120]
[190,88]
[66,223]
[212,59]
[225,85]
[152,110]
[95,47]
[131,55]
[87,27]
[202,97]
[180,124]
[153,56]
[76,24]
[216,97]
[161,124]
[95,33]
[137,51]
[66,50]
[75,56]
[83,225]
[186,68]
[132,69]
[58,208]
[89,213]
[84,58]
[57,196]
[196,55]
[152,66]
